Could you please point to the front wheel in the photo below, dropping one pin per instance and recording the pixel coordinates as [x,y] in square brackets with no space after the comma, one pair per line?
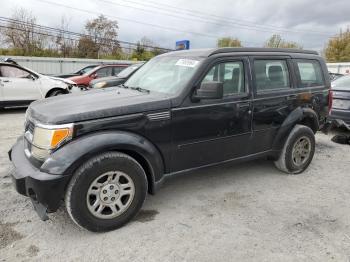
[57,93]
[298,150]
[106,192]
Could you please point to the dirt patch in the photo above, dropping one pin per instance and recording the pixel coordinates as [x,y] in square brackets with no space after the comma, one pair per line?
[8,235]
[146,215]
[33,250]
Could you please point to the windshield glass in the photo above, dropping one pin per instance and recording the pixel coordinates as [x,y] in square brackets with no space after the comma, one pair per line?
[127,71]
[165,74]
[343,81]
[87,69]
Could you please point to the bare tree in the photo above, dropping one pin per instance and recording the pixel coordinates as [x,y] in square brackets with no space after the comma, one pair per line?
[65,43]
[22,33]
[104,33]
[276,41]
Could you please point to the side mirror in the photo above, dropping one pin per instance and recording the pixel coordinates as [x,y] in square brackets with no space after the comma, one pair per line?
[30,76]
[94,76]
[210,90]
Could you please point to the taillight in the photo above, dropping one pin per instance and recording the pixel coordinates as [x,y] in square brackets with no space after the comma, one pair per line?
[330,100]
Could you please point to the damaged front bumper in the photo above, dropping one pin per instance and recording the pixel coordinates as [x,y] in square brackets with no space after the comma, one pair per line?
[45,190]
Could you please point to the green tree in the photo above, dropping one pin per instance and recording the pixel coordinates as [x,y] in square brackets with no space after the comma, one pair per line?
[338,48]
[276,41]
[229,42]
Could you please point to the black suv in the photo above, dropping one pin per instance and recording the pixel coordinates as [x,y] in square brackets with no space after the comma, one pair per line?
[102,151]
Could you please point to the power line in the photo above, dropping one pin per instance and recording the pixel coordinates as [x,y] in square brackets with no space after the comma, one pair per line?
[57,30]
[202,19]
[135,21]
[222,19]
[51,35]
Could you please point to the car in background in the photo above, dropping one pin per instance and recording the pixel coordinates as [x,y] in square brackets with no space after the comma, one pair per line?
[334,76]
[79,72]
[339,112]
[115,80]
[19,86]
[98,72]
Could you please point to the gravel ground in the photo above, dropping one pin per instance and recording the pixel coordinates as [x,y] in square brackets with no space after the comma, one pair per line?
[244,212]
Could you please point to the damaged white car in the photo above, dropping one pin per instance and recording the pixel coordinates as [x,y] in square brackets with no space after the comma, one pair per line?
[19,86]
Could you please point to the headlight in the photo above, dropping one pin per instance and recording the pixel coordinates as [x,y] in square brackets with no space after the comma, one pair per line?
[100,84]
[47,138]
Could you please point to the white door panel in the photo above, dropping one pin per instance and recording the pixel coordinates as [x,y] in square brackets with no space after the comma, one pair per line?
[16,85]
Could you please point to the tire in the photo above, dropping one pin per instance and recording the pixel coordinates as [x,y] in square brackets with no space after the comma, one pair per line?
[87,187]
[56,93]
[298,150]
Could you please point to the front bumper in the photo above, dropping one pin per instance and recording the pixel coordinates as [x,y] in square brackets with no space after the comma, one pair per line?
[45,190]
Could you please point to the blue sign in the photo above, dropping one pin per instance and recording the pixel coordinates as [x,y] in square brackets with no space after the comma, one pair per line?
[183,45]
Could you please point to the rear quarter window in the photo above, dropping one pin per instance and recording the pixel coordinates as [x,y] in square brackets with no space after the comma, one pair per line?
[310,73]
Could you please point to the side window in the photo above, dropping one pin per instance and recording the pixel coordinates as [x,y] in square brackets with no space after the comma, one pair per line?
[117,70]
[106,71]
[231,74]
[271,74]
[13,72]
[310,73]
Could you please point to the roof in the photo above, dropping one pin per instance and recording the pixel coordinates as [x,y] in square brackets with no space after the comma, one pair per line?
[212,51]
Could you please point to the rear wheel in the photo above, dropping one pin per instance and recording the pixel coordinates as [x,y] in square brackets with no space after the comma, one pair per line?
[106,192]
[298,150]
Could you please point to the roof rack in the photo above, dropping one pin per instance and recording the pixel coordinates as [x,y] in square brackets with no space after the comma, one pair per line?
[261,49]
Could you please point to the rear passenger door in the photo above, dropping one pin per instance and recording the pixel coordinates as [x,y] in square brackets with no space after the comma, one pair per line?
[274,98]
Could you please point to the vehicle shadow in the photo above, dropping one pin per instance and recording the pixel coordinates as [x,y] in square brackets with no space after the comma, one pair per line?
[206,181]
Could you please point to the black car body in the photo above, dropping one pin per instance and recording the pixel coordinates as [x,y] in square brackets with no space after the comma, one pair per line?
[340,105]
[79,72]
[181,111]
[115,80]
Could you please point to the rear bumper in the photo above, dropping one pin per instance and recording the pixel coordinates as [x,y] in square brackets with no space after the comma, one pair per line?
[340,114]
[45,190]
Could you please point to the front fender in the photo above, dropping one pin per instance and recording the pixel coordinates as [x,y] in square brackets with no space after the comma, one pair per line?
[295,117]
[72,155]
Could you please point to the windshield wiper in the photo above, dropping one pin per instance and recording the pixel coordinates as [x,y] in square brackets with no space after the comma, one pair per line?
[140,89]
[122,85]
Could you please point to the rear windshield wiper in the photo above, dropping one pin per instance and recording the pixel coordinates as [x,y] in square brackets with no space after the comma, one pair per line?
[140,89]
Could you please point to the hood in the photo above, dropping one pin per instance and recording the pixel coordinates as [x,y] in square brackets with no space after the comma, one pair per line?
[95,104]
[78,79]
[67,81]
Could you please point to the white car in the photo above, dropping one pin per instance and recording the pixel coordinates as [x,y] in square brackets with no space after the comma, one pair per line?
[19,86]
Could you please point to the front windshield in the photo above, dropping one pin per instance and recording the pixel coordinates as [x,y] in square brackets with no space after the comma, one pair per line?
[127,71]
[343,81]
[87,69]
[165,74]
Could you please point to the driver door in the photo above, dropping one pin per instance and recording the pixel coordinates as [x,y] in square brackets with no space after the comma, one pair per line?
[18,85]
[214,130]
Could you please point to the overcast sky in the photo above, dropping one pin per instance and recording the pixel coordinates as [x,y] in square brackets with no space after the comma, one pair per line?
[308,22]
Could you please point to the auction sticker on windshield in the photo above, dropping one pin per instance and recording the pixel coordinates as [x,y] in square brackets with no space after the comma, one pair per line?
[187,62]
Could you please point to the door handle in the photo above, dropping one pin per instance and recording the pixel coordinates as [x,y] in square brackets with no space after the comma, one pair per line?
[5,81]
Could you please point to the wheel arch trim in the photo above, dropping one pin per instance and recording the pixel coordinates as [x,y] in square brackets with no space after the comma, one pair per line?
[68,158]
[297,116]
